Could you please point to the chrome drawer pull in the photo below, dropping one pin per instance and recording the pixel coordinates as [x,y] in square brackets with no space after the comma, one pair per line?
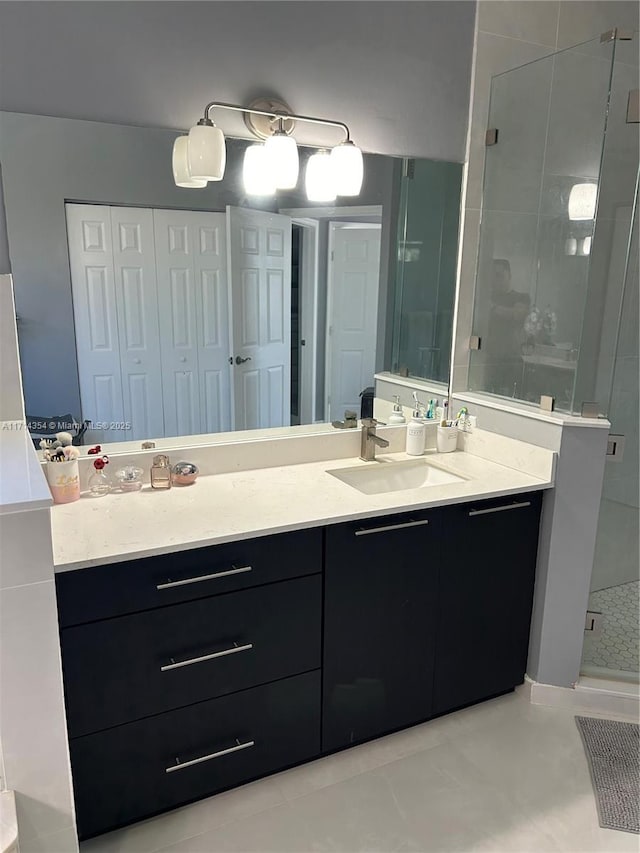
[234,571]
[499,508]
[367,531]
[235,648]
[181,765]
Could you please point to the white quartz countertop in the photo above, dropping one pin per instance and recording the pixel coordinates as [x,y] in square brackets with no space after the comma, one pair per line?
[244,504]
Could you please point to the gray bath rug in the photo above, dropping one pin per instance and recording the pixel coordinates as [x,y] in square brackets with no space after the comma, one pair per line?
[614,760]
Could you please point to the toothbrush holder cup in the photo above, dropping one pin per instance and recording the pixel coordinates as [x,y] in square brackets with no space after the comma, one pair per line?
[446,438]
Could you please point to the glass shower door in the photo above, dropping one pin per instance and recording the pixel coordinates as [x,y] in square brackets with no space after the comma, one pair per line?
[541,182]
[611,649]
[611,376]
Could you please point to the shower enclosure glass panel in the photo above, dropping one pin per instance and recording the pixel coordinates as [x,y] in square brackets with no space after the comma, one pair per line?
[612,378]
[556,304]
[537,229]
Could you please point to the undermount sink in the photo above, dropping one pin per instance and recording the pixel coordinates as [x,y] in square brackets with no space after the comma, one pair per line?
[384,475]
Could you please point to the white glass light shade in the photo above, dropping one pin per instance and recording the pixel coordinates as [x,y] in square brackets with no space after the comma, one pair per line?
[283,163]
[256,174]
[348,168]
[571,246]
[582,201]
[207,153]
[319,178]
[180,163]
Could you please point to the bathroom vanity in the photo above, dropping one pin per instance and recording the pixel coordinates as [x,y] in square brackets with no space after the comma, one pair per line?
[188,672]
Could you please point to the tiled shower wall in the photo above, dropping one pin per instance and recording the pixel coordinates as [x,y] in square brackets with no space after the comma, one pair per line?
[511,33]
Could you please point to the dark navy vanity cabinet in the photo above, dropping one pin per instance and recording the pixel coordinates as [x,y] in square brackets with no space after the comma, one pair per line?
[381,610]
[485,599]
[189,673]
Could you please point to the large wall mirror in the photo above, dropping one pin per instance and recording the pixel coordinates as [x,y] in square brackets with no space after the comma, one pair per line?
[157,311]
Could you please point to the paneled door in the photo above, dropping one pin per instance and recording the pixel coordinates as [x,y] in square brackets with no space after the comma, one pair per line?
[259,267]
[352,314]
[114,301]
[192,301]
[209,245]
[134,268]
[177,318]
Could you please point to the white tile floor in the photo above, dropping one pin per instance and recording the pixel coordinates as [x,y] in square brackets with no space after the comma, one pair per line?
[503,776]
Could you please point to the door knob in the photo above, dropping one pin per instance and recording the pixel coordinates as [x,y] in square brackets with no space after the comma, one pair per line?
[136,361]
[240,360]
[183,358]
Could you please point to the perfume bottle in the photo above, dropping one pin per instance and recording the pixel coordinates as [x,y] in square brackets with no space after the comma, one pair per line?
[99,484]
[161,472]
[130,478]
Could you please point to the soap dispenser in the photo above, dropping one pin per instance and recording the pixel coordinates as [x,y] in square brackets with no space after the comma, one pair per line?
[396,416]
[416,434]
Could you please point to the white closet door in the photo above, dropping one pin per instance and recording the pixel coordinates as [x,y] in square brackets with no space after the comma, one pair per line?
[209,245]
[177,318]
[352,313]
[136,299]
[96,322]
[259,269]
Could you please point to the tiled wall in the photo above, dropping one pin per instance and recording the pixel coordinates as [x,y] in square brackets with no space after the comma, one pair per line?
[32,719]
[34,760]
[509,34]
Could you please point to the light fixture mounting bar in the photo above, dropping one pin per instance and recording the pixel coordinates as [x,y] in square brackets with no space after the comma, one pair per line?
[275,116]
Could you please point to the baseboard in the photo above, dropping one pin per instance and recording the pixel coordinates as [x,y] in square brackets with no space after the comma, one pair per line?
[591,695]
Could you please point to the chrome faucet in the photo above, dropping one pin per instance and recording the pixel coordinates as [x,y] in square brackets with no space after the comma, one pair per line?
[369,440]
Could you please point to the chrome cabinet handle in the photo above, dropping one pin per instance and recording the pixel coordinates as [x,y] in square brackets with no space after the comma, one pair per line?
[181,765]
[232,651]
[499,508]
[234,571]
[365,531]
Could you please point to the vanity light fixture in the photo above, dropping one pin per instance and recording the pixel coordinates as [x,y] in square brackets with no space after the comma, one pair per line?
[202,156]
[348,167]
[180,163]
[582,201]
[256,176]
[282,160]
[207,152]
[571,246]
[320,181]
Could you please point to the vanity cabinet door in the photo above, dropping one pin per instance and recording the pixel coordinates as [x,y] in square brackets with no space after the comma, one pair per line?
[486,594]
[380,614]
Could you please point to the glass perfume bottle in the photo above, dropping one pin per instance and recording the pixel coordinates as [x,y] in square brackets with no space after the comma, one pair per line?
[99,484]
[161,472]
[130,478]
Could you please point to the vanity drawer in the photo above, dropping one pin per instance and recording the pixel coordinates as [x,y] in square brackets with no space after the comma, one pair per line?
[119,670]
[85,595]
[129,772]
